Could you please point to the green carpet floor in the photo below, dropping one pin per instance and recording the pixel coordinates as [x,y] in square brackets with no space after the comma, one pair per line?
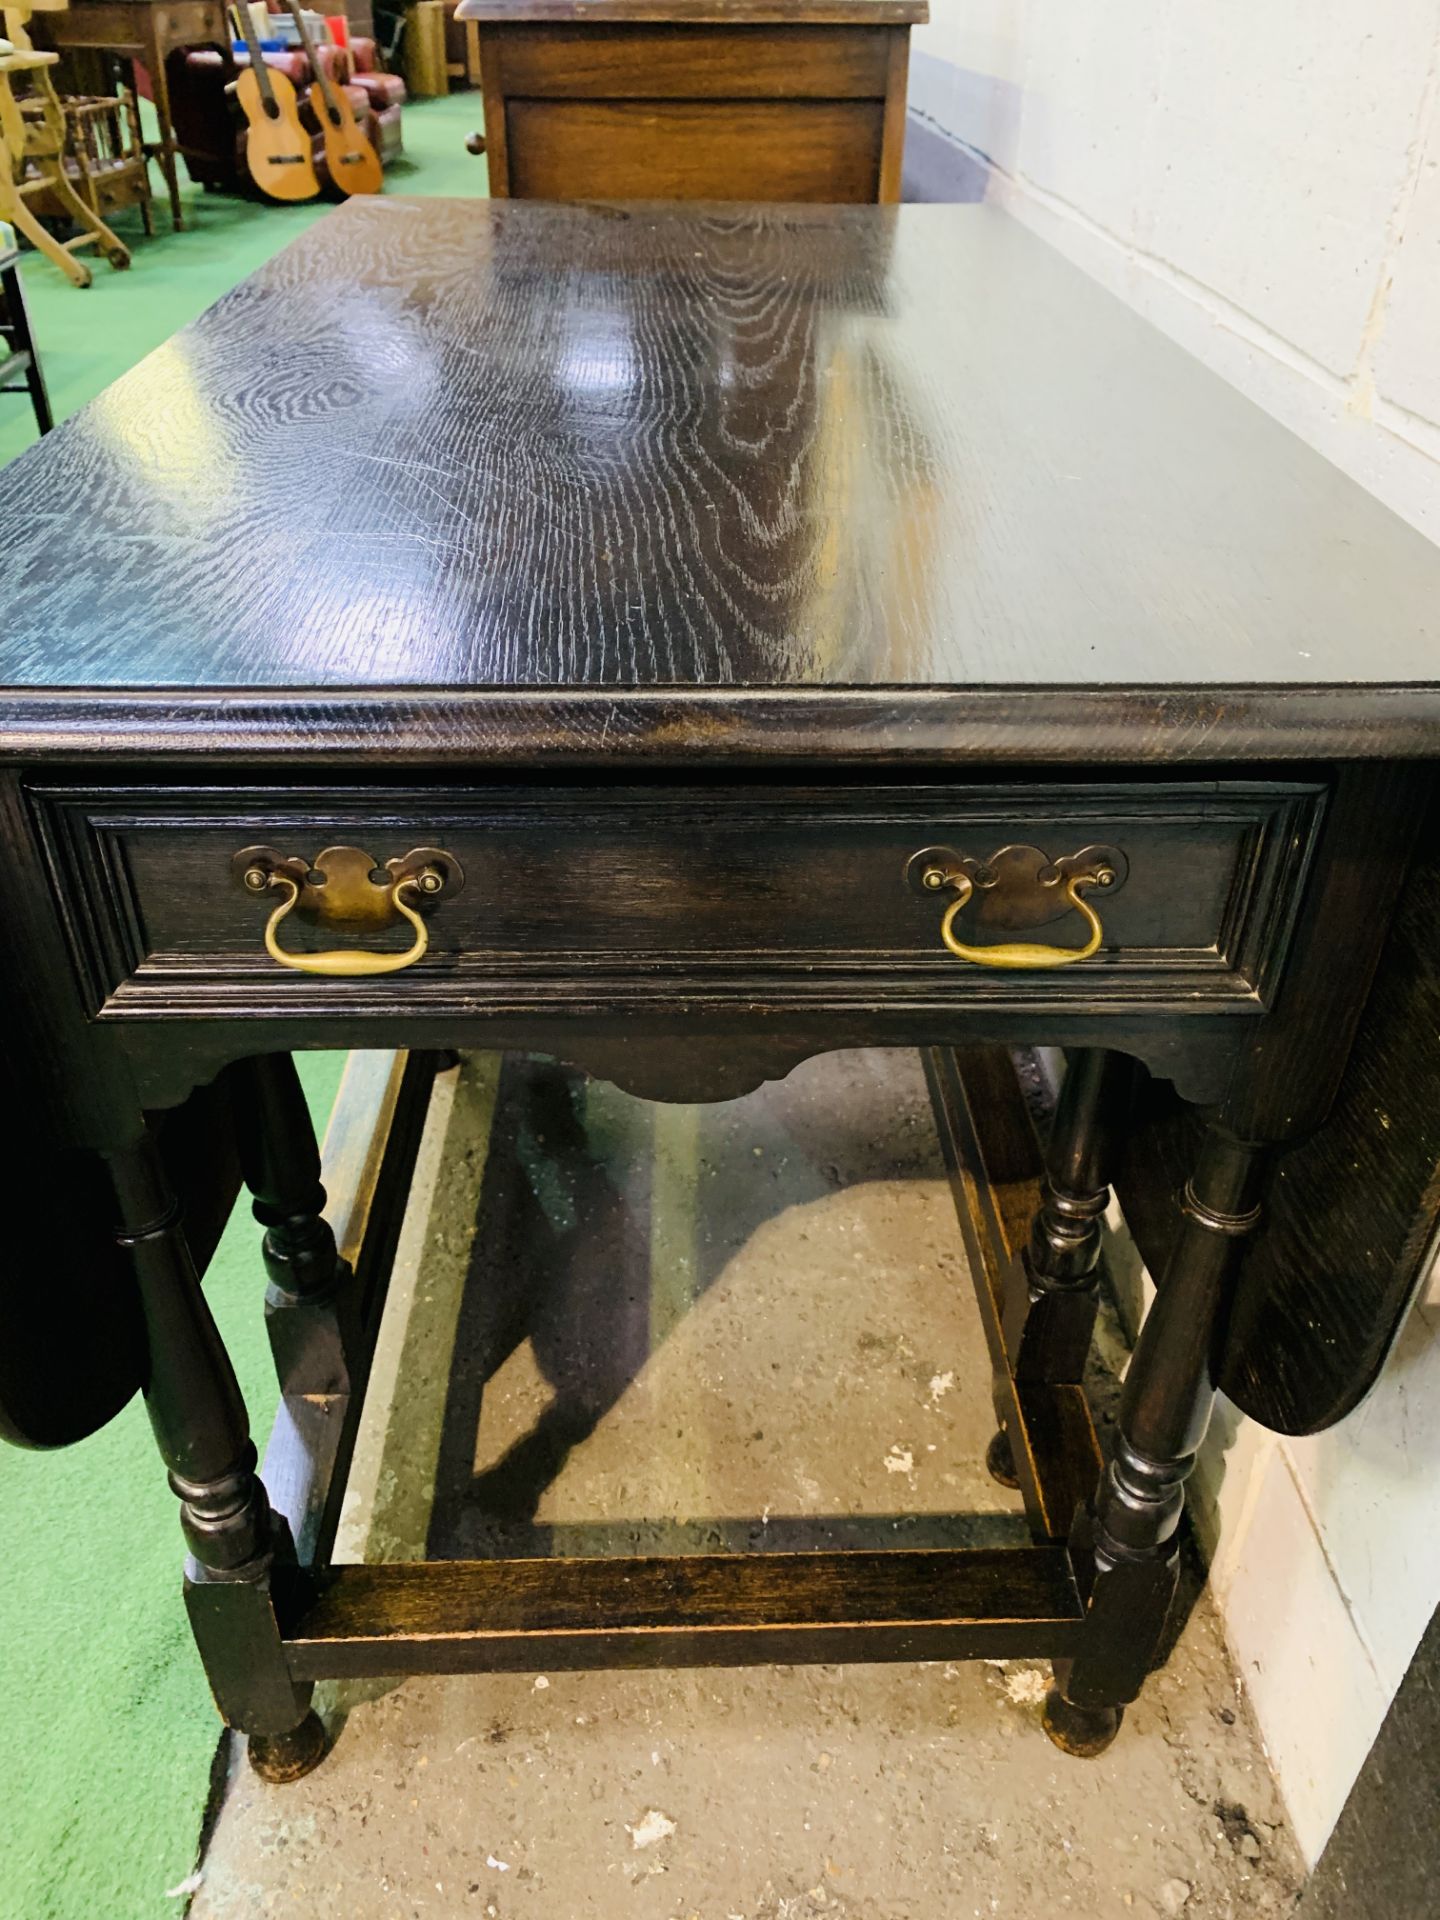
[88,338]
[107,1731]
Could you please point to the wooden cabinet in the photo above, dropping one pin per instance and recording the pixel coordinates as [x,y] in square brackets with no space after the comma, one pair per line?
[633,100]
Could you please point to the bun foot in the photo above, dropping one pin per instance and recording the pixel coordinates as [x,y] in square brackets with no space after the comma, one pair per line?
[283,1757]
[1000,1461]
[1082,1732]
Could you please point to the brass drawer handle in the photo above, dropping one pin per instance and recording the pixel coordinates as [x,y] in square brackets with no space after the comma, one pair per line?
[1019,887]
[1023,953]
[344,962]
[345,886]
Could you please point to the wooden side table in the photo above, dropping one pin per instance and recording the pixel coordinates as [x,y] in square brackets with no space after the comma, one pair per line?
[148,31]
[694,99]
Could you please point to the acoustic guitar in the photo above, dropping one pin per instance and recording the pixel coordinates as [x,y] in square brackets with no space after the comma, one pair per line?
[277,147]
[352,163]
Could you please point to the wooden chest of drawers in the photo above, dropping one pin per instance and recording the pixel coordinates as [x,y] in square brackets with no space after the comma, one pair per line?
[692,100]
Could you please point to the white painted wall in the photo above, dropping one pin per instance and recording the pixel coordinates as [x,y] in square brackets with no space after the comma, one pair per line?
[1261,181]
[1264,183]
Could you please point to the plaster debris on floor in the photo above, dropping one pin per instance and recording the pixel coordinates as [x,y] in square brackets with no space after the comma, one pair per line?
[700,1328]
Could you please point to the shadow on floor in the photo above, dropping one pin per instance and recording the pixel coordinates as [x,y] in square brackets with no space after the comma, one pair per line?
[603,1221]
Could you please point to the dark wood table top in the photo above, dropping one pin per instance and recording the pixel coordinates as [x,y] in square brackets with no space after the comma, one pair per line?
[720,480]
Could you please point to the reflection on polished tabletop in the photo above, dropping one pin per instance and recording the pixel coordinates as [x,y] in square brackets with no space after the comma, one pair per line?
[443,444]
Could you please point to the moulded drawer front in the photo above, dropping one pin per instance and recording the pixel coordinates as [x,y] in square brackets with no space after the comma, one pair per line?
[647,893]
[558,62]
[768,150]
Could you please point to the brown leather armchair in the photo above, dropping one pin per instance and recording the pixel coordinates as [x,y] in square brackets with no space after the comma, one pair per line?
[385,92]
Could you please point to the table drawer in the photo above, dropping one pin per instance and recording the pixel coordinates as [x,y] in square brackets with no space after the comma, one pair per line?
[647,896]
[799,150]
[660,62]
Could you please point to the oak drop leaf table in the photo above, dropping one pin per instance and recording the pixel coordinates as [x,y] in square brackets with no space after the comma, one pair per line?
[681,642]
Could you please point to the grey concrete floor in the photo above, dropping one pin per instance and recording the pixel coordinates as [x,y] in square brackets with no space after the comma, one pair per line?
[684,1328]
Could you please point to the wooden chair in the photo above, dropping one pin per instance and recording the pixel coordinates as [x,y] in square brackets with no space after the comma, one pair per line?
[105,155]
[32,158]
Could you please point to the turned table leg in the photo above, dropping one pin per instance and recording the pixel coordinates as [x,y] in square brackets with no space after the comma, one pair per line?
[308,1310]
[200,1426]
[1127,1543]
[1281,1088]
[1049,1320]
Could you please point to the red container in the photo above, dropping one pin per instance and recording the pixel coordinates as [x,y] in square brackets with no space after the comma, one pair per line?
[339,28]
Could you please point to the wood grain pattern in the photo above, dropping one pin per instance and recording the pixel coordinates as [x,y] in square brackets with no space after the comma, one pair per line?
[697,452]
[760,150]
[724,63]
[741,729]
[691,1610]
